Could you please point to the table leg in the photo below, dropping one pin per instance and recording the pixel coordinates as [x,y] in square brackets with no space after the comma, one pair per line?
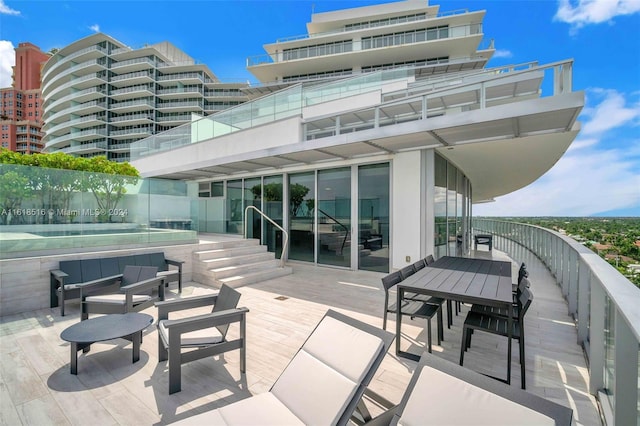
[73,365]
[136,338]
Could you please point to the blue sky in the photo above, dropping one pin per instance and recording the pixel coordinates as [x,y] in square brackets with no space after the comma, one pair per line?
[598,176]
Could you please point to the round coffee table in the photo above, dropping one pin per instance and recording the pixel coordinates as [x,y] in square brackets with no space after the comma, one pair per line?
[108,327]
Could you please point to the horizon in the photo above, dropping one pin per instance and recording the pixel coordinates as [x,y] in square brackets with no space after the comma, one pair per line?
[598,176]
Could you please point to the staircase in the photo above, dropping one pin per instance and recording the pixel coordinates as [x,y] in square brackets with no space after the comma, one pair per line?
[235,263]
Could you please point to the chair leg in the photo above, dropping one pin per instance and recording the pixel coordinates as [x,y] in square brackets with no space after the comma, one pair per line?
[522,363]
[175,373]
[467,343]
[465,330]
[429,333]
[440,327]
[384,320]
[449,314]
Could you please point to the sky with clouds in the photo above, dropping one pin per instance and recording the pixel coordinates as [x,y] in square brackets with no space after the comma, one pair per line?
[598,176]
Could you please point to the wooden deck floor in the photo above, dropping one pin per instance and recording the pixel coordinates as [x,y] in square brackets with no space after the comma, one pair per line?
[37,389]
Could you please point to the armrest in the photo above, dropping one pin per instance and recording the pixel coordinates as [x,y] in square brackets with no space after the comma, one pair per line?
[100,282]
[199,322]
[142,285]
[58,275]
[187,303]
[174,262]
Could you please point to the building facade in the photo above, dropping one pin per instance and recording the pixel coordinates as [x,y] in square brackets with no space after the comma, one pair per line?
[101,95]
[381,166]
[21,104]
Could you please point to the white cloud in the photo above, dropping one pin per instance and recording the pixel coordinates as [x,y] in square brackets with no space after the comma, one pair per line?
[502,53]
[95,28]
[593,177]
[584,12]
[7,60]
[6,10]
[612,112]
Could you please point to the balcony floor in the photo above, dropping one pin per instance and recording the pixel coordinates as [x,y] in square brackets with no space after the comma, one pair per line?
[37,389]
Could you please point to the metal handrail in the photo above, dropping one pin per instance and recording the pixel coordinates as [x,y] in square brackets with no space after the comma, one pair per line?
[285,245]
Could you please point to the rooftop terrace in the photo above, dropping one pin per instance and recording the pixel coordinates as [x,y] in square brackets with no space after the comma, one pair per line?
[37,389]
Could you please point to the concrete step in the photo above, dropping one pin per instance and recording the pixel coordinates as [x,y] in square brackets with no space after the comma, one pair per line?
[228,252]
[243,269]
[221,262]
[254,277]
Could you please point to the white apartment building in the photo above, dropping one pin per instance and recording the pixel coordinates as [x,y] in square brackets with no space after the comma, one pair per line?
[379,162]
[100,95]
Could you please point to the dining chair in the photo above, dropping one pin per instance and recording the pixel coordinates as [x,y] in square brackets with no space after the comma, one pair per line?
[410,308]
[498,325]
[407,271]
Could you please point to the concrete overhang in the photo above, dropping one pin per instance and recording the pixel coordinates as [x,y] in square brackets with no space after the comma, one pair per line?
[501,148]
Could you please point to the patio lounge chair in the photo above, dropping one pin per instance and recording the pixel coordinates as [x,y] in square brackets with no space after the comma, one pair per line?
[201,336]
[323,383]
[136,284]
[443,393]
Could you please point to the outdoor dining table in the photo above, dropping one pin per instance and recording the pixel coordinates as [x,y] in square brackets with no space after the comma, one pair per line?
[467,280]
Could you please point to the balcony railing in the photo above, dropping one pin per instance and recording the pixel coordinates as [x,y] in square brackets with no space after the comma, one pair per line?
[376,42]
[604,304]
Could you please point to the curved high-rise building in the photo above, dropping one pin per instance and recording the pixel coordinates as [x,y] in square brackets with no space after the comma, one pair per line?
[101,95]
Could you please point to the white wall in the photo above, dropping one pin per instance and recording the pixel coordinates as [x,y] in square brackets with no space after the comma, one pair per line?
[406,216]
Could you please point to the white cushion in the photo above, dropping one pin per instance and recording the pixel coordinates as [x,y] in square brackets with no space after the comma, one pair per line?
[313,391]
[263,409]
[117,299]
[344,348]
[441,399]
[206,336]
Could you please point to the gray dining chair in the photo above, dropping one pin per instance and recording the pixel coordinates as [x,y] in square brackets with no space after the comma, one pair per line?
[411,308]
[499,325]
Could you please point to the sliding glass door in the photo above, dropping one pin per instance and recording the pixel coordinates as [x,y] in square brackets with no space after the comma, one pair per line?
[334,217]
[302,198]
[373,217]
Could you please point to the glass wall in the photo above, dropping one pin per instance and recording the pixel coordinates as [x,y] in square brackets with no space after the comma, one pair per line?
[44,210]
[334,217]
[302,198]
[235,210]
[253,197]
[373,217]
[440,207]
[319,219]
[272,199]
[450,202]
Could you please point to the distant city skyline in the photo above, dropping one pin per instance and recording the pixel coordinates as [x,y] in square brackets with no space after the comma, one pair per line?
[598,176]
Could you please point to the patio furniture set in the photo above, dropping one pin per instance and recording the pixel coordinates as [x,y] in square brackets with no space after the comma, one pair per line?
[326,382]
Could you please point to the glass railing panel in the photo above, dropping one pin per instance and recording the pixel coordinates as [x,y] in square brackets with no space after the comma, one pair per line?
[50,210]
